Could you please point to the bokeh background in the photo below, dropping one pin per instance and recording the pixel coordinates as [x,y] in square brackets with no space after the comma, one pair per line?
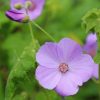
[60,18]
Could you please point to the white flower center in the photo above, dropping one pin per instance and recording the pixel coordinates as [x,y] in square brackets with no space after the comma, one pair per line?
[63,67]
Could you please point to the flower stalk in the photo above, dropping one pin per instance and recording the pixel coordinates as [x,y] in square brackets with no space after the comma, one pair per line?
[46,33]
[36,44]
[62,98]
[31,31]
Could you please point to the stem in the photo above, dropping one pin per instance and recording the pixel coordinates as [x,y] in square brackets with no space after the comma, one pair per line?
[98,86]
[31,31]
[36,44]
[99,73]
[98,36]
[62,98]
[46,33]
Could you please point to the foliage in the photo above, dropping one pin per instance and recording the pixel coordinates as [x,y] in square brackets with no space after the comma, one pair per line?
[91,21]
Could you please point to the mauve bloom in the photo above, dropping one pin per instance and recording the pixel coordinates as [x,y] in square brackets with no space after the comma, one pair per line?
[63,66]
[25,10]
[91,44]
[91,48]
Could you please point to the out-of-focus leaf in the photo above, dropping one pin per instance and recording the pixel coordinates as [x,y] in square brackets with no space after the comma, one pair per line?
[21,76]
[41,95]
[1,89]
[14,45]
[22,96]
[3,17]
[97,58]
[90,20]
[47,95]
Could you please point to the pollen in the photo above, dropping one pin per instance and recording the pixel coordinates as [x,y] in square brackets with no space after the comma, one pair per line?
[28,4]
[63,67]
[18,6]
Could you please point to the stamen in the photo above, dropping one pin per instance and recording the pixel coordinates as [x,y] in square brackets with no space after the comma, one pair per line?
[28,4]
[18,6]
[63,67]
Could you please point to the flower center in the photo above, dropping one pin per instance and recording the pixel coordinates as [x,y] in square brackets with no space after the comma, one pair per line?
[63,67]
[18,6]
[28,5]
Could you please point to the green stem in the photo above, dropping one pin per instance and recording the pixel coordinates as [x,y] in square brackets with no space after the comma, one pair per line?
[46,33]
[99,90]
[31,31]
[62,98]
[36,44]
[98,36]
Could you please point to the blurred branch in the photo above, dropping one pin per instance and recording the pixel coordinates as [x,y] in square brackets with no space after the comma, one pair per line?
[46,33]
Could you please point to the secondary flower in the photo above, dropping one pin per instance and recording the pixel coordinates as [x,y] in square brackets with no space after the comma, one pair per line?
[25,10]
[63,66]
[91,44]
[91,48]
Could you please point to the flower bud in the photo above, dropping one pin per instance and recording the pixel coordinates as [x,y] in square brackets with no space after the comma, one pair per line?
[28,4]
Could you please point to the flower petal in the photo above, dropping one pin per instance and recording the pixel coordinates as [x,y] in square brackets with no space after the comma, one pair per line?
[47,77]
[83,66]
[91,38]
[70,48]
[67,85]
[96,71]
[49,55]
[39,4]
[90,48]
[91,45]
[15,16]
[14,2]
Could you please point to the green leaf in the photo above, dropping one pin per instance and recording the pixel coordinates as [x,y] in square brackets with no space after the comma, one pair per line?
[1,89]
[21,76]
[22,96]
[46,95]
[41,95]
[90,20]
[14,46]
[97,58]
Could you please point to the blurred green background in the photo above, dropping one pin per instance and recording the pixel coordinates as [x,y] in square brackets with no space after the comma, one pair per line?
[60,18]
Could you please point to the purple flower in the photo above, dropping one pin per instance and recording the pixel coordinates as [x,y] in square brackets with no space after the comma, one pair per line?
[91,44]
[91,48]
[63,66]
[25,10]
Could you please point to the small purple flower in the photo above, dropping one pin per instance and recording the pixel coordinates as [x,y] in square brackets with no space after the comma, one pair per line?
[91,48]
[63,66]
[25,10]
[91,44]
